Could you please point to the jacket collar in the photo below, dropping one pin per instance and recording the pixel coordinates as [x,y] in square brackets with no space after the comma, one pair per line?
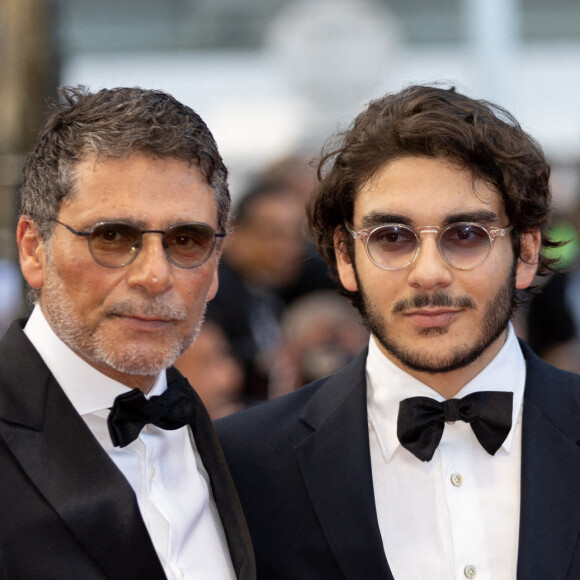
[335,463]
[336,467]
[223,489]
[68,466]
[550,510]
[73,472]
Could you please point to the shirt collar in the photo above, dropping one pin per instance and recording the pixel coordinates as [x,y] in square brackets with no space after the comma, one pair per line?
[387,385]
[88,389]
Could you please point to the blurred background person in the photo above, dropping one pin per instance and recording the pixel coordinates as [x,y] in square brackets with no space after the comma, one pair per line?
[552,317]
[10,293]
[267,262]
[321,333]
[216,375]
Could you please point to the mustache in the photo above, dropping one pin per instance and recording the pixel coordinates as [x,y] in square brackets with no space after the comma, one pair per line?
[437,299]
[149,309]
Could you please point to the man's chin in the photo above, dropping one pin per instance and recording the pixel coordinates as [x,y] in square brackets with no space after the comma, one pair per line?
[136,362]
[456,358]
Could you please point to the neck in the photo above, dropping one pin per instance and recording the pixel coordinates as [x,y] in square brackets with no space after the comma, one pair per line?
[142,382]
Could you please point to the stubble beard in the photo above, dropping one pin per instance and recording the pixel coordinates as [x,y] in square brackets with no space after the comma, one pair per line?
[99,350]
[495,320]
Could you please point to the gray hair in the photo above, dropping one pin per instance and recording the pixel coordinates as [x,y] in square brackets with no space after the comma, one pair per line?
[114,123]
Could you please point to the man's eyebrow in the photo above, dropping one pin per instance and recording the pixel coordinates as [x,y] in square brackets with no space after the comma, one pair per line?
[482,216]
[374,219]
[139,224]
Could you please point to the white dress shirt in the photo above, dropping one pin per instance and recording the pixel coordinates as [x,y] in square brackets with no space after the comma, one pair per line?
[456,516]
[163,467]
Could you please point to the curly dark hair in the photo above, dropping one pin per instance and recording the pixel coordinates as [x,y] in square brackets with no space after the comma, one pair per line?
[440,123]
[114,123]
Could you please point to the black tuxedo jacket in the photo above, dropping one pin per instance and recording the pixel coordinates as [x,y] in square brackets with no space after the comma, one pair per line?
[302,467]
[66,511]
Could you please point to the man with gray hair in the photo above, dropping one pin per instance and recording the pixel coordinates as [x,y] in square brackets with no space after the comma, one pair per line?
[110,466]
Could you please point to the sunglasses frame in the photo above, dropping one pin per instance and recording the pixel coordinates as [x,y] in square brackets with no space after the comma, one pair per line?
[364,235]
[88,233]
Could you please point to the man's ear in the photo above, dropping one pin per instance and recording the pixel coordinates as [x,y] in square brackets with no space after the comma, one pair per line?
[344,261]
[31,249]
[530,243]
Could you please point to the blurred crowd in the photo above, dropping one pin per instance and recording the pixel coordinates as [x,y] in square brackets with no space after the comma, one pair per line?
[277,322]
[552,317]
[10,293]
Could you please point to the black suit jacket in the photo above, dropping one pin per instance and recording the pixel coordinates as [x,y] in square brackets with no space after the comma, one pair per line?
[302,467]
[66,511]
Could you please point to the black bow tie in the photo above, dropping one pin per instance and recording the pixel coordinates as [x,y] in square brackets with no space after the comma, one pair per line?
[421,420]
[132,411]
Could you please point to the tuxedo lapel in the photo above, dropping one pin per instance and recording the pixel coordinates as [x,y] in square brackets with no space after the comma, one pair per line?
[68,466]
[224,492]
[550,511]
[336,467]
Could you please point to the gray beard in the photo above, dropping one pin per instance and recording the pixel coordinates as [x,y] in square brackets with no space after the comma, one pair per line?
[95,348]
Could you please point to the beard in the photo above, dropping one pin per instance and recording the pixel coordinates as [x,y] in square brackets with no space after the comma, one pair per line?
[96,347]
[496,317]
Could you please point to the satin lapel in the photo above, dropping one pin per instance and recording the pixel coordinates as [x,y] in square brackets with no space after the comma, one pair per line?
[69,467]
[336,467]
[224,492]
[550,510]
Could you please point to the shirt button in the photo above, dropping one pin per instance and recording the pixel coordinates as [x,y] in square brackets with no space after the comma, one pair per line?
[153,472]
[470,571]
[457,481]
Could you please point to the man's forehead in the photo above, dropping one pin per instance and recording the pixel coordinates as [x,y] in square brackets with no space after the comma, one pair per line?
[416,166]
[417,188]
[91,161]
[139,188]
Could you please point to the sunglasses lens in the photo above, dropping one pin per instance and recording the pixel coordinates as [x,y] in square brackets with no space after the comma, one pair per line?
[186,245]
[114,244]
[392,246]
[189,245]
[465,245]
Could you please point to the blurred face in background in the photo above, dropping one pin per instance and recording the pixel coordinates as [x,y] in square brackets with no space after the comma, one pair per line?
[215,374]
[270,242]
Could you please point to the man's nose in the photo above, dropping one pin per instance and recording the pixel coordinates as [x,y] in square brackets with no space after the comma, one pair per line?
[429,270]
[151,269]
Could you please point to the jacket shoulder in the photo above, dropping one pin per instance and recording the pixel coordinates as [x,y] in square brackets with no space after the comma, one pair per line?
[553,393]
[264,418]
[278,425]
